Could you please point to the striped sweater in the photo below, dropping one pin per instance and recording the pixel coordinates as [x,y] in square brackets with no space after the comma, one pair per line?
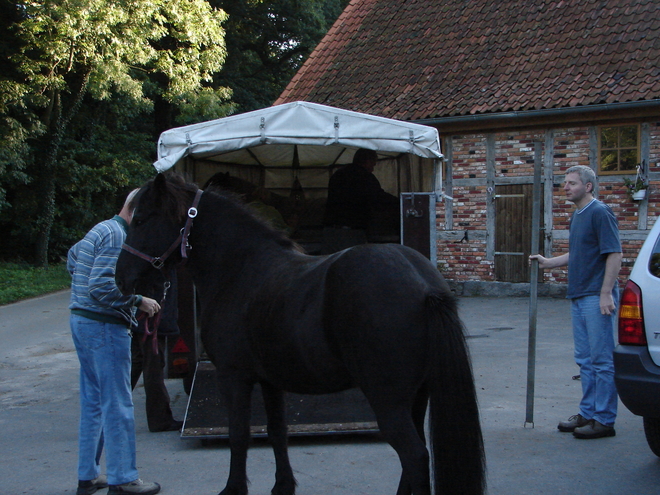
[91,263]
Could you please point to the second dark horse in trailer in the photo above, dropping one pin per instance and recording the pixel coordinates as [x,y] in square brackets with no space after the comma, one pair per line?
[377,317]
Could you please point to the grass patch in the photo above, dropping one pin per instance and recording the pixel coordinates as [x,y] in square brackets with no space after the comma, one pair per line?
[18,281]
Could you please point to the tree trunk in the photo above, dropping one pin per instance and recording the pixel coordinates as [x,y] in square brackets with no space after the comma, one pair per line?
[47,186]
[46,214]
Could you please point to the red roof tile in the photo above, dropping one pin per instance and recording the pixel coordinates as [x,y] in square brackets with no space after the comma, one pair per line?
[418,59]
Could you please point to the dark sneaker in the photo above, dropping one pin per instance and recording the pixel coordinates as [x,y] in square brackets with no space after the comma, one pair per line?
[594,429]
[87,487]
[137,486]
[573,422]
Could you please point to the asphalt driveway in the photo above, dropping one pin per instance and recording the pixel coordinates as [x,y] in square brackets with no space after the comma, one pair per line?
[39,414]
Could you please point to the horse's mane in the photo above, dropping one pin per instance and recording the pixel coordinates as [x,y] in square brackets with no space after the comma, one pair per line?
[177,203]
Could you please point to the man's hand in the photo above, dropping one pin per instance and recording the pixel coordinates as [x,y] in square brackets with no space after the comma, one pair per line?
[612,268]
[607,305]
[561,260]
[543,261]
[149,306]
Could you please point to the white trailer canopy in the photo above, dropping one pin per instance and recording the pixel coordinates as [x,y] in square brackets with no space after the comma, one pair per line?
[298,134]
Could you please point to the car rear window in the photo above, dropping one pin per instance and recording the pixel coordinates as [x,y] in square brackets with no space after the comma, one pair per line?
[654,261]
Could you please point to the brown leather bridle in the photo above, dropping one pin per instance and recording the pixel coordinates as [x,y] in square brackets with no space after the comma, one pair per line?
[182,241]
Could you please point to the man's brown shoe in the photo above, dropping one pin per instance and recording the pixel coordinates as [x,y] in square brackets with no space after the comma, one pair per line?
[594,429]
[573,422]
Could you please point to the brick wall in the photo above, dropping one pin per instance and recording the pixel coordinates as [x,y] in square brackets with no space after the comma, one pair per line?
[464,257]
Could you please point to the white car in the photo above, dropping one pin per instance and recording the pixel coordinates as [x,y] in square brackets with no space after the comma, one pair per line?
[637,356]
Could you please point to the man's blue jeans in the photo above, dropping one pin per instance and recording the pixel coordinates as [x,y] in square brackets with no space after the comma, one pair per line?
[593,334]
[106,402]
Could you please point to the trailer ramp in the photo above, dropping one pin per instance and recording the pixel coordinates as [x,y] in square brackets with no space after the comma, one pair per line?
[329,414]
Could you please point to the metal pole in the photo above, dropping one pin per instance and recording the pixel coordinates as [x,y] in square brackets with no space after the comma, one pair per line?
[533,285]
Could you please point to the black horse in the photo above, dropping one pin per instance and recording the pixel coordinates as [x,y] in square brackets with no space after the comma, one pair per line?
[377,317]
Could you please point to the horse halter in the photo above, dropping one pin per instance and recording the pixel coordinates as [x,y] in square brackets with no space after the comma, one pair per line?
[158,261]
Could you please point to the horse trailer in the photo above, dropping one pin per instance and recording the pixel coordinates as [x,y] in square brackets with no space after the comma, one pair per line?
[289,152]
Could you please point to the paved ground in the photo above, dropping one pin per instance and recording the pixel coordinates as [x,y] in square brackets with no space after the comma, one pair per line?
[39,411]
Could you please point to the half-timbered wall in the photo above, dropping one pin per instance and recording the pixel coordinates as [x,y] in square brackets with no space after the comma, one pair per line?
[476,164]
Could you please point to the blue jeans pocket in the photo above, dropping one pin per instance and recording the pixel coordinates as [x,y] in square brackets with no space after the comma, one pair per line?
[91,333]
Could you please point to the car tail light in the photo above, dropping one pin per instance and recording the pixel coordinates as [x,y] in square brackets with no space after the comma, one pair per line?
[631,316]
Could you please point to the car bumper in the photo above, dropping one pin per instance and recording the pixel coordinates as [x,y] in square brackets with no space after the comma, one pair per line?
[637,380]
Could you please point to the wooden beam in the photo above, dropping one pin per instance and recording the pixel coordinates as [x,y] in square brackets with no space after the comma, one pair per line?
[490,195]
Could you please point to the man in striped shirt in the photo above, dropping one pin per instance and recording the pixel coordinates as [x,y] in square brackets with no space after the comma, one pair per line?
[101,321]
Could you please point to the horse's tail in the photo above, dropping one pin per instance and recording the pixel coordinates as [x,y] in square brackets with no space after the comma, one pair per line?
[457,449]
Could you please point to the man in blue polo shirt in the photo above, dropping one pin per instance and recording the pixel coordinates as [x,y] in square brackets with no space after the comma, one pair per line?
[594,261]
[101,321]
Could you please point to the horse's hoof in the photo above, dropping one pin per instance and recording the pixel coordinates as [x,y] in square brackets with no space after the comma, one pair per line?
[288,488]
[233,491]
[281,491]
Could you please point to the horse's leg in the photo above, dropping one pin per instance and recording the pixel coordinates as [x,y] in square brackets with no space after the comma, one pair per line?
[238,395]
[419,408]
[285,483]
[401,432]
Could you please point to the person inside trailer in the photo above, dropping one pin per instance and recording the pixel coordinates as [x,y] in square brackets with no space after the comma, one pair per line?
[354,196]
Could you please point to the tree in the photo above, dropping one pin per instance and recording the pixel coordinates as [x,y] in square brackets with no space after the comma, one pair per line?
[16,121]
[73,48]
[267,42]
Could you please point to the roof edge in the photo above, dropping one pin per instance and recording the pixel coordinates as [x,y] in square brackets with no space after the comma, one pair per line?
[548,116]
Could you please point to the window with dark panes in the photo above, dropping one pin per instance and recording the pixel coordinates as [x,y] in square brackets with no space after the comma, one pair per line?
[618,148]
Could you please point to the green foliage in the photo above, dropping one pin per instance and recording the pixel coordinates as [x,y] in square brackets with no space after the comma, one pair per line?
[21,281]
[181,39]
[68,53]
[267,42]
[634,185]
[16,122]
[87,86]
[108,152]
[207,104]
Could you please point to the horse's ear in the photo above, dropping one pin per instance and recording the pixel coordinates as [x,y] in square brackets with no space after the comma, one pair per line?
[160,189]
[160,183]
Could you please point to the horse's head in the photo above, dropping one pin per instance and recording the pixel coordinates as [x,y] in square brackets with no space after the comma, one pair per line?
[156,236]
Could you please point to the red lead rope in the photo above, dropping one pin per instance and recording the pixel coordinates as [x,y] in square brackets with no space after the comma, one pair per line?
[154,322]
